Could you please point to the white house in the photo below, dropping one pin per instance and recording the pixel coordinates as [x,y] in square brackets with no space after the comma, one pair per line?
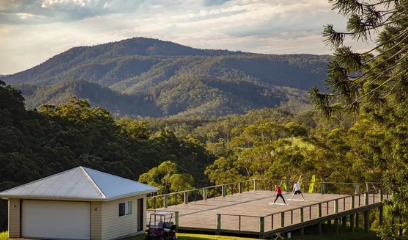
[80,203]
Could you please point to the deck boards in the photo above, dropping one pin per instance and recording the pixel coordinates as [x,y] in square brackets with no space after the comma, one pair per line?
[203,214]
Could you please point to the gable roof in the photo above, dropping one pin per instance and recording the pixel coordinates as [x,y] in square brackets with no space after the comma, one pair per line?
[79,183]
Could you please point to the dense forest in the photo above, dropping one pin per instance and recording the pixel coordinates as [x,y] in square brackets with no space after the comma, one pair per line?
[143,77]
[179,153]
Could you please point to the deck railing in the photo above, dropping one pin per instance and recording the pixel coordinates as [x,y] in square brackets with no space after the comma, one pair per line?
[185,197]
[243,223]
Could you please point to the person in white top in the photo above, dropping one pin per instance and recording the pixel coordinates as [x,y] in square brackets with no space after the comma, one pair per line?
[296,190]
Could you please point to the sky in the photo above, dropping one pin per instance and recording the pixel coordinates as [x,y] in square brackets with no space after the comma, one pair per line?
[32,31]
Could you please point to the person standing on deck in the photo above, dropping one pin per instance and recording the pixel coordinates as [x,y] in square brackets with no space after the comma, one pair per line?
[296,190]
[278,191]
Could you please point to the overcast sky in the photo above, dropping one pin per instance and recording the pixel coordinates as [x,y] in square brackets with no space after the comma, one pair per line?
[31,31]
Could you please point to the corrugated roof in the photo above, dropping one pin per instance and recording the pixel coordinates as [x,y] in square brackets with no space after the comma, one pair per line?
[79,183]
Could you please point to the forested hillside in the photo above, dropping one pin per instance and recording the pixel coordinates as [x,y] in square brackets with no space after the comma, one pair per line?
[173,79]
[35,144]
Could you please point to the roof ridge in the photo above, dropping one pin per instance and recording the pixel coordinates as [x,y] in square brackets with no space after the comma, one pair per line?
[115,176]
[53,175]
[92,182]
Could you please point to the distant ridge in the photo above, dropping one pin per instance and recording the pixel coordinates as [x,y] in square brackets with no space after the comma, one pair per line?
[172,79]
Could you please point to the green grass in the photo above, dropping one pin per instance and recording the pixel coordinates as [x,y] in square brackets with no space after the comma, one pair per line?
[342,236]
[3,235]
[184,236]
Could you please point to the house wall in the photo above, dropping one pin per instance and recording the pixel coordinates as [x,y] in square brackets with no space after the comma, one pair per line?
[96,220]
[14,215]
[113,226]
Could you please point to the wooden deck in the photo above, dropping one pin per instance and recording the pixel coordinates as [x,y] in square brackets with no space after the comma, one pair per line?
[203,214]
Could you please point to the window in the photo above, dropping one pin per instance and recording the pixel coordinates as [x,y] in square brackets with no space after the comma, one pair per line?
[125,208]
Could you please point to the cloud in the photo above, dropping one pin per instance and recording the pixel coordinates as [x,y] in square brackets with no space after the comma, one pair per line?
[31,31]
[208,3]
[62,10]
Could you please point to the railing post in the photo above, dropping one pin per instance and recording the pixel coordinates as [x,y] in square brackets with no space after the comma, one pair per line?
[255,185]
[240,187]
[185,197]
[177,219]
[205,194]
[301,215]
[381,193]
[357,189]
[322,186]
[367,187]
[218,221]
[336,206]
[165,200]
[287,186]
[262,224]
[352,204]
[282,219]
[224,191]
[154,202]
[366,196]
[319,211]
[239,222]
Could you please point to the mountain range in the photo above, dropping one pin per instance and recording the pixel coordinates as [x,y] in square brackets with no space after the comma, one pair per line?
[144,77]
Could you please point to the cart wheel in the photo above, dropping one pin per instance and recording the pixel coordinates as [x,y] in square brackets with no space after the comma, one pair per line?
[160,238]
[148,237]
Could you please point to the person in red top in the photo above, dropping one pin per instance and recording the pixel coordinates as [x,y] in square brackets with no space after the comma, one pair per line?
[278,191]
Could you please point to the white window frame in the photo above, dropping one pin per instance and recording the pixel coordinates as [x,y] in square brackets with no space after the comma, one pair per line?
[128,208]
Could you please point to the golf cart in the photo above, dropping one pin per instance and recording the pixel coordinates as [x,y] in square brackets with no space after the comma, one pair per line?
[161,227]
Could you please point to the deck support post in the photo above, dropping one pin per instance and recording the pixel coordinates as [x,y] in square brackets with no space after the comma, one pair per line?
[224,191]
[322,186]
[329,223]
[255,185]
[366,221]
[357,220]
[319,228]
[205,194]
[218,222]
[302,232]
[240,186]
[336,225]
[351,222]
[319,210]
[185,197]
[165,200]
[262,224]
[381,217]
[344,221]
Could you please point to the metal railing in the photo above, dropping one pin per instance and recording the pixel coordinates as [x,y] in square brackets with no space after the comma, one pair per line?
[185,197]
[262,224]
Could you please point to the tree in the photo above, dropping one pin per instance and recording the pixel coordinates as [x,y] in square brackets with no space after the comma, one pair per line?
[374,84]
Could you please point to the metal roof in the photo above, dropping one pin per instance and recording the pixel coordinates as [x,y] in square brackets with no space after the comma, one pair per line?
[79,183]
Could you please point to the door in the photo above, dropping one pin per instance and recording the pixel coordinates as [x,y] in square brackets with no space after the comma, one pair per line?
[140,215]
[56,219]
